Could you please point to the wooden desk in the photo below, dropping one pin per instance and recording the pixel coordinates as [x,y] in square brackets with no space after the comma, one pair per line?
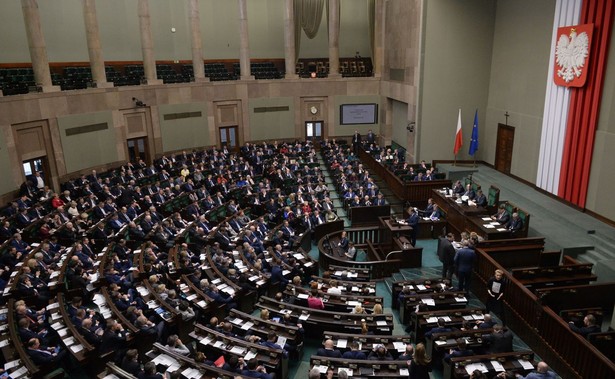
[371,369]
[424,321]
[367,342]
[441,300]
[321,320]
[457,214]
[458,367]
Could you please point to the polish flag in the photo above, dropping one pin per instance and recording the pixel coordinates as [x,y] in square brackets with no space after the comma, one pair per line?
[458,137]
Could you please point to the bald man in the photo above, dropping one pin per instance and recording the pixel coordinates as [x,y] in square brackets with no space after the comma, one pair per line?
[542,372]
[329,350]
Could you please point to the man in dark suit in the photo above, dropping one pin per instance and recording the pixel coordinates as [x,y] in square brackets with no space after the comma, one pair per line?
[500,341]
[502,216]
[371,137]
[460,351]
[439,328]
[329,351]
[469,192]
[515,224]
[356,141]
[41,356]
[446,255]
[413,221]
[464,260]
[589,326]
[480,200]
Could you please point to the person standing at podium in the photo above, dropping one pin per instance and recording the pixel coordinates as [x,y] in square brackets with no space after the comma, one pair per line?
[413,221]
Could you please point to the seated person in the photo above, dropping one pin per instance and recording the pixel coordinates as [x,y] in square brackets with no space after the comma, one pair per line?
[589,326]
[486,323]
[44,356]
[176,345]
[254,370]
[130,362]
[354,352]
[542,372]
[460,351]
[440,328]
[458,188]
[515,224]
[480,200]
[329,350]
[314,301]
[407,355]
[502,216]
[380,353]
[149,372]
[352,251]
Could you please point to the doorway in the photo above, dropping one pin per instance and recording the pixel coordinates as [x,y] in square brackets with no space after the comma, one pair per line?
[137,149]
[313,130]
[228,138]
[31,166]
[504,148]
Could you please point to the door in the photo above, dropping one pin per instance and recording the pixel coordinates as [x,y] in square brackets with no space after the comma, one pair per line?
[504,148]
[228,138]
[137,149]
[313,130]
[36,165]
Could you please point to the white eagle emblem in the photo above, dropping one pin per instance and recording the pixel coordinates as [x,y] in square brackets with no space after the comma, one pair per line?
[570,54]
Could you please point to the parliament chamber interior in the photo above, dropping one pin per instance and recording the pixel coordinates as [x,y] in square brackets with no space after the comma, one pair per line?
[307,189]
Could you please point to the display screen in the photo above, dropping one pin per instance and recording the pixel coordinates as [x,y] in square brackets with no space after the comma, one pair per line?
[358,114]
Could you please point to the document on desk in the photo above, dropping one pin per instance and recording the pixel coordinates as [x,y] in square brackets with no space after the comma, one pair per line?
[247,325]
[304,317]
[488,226]
[302,296]
[191,373]
[353,275]
[17,373]
[249,355]
[476,366]
[4,343]
[404,372]
[461,299]
[501,229]
[527,365]
[298,256]
[206,341]
[399,346]
[497,366]
[486,219]
[381,323]
[238,350]
[432,320]
[342,343]
[76,348]
[478,317]
[353,303]
[421,287]
[429,302]
[237,321]
[111,376]
[440,342]
[308,264]
[322,368]
[446,318]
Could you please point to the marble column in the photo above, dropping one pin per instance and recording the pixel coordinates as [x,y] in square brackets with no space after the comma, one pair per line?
[36,43]
[97,63]
[379,28]
[197,43]
[147,45]
[334,38]
[289,39]
[244,49]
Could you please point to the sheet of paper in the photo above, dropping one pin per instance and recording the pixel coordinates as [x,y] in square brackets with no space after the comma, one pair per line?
[488,226]
[249,355]
[404,372]
[527,365]
[429,302]
[304,317]
[281,341]
[381,323]
[342,343]
[486,218]
[76,348]
[421,287]
[497,366]
[247,325]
